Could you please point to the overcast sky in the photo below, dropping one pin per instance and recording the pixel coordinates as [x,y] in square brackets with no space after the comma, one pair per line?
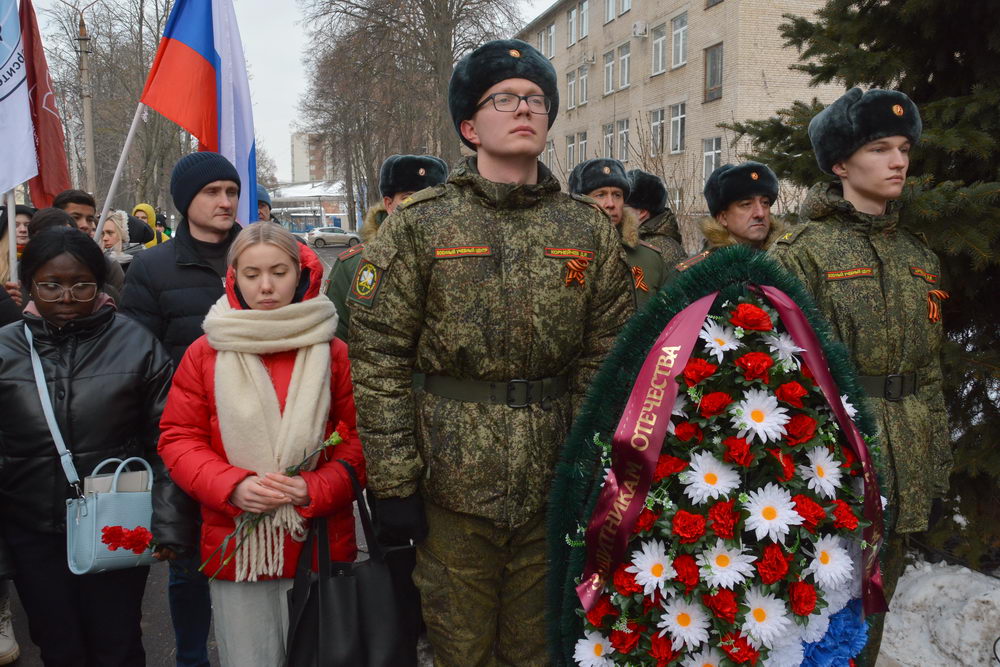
[273,45]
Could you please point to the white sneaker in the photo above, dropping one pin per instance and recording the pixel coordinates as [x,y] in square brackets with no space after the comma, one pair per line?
[9,650]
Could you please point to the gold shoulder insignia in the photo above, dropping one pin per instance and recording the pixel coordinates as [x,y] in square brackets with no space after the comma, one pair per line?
[422,195]
[791,234]
[351,252]
[691,261]
[651,247]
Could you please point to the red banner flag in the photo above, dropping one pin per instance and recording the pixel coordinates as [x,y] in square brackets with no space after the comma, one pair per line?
[50,142]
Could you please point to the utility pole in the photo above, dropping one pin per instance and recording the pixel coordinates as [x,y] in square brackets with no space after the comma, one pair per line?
[87,96]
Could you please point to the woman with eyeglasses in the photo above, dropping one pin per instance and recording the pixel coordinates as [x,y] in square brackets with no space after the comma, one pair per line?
[108,379]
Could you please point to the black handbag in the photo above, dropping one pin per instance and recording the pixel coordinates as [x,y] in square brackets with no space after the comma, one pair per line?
[345,614]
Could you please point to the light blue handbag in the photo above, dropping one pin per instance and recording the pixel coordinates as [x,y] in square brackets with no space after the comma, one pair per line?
[102,527]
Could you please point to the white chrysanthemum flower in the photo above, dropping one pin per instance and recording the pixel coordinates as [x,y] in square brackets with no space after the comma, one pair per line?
[759,415]
[790,654]
[817,626]
[784,348]
[823,472]
[686,622]
[718,338]
[706,657]
[593,651]
[850,409]
[831,565]
[680,406]
[652,567]
[837,599]
[767,619]
[772,513]
[707,478]
[725,567]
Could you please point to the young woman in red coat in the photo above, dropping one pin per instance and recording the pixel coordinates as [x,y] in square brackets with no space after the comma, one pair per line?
[258,393]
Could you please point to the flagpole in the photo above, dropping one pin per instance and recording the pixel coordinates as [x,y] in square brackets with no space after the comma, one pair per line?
[12,235]
[118,171]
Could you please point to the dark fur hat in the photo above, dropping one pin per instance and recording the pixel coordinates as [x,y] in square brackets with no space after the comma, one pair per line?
[409,173]
[857,118]
[492,63]
[731,183]
[648,192]
[599,172]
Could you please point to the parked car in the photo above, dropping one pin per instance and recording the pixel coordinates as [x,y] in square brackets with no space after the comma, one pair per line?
[321,236]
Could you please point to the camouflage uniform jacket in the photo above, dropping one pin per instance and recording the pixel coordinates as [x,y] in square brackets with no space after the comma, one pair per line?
[662,232]
[342,273]
[648,265]
[472,280]
[872,280]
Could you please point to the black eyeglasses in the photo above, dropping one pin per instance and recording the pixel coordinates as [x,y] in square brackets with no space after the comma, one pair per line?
[50,292]
[510,102]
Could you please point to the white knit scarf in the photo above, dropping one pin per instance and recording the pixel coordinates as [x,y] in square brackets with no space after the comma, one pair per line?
[256,434]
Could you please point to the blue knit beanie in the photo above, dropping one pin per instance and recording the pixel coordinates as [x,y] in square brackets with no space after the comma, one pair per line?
[196,170]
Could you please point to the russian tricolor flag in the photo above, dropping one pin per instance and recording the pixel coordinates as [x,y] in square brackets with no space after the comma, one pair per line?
[199,81]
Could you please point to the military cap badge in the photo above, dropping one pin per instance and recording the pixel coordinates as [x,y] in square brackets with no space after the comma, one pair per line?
[422,171]
[607,170]
[897,109]
[514,53]
[754,175]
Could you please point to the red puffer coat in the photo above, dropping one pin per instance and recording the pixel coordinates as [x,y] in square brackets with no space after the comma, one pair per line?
[191,443]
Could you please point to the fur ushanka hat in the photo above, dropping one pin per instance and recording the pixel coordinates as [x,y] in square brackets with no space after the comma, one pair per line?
[599,172]
[857,118]
[730,183]
[648,192]
[409,173]
[492,63]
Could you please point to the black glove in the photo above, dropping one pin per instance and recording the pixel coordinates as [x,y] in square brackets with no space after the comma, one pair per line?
[399,520]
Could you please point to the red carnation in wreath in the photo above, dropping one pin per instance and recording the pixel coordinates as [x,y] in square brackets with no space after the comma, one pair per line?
[749,316]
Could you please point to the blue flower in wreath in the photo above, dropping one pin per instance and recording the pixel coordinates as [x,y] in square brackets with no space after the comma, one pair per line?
[845,638]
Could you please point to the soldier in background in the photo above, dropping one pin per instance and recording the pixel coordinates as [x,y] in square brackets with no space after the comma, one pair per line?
[879,287]
[657,223]
[398,178]
[499,296]
[604,180]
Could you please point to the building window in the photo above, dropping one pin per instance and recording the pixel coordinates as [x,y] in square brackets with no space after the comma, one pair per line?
[626,5]
[679,31]
[540,39]
[552,41]
[659,44]
[713,72]
[609,140]
[711,3]
[571,27]
[550,153]
[571,90]
[624,62]
[581,84]
[656,126]
[609,72]
[584,18]
[570,151]
[678,117]
[609,10]
[623,140]
[712,151]
[581,145]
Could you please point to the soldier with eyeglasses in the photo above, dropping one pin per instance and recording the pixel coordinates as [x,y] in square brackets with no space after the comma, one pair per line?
[479,315]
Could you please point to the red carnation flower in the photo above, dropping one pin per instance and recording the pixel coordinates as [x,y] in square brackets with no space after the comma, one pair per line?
[685,431]
[113,536]
[663,650]
[137,540]
[803,597]
[651,602]
[738,451]
[646,520]
[791,393]
[749,316]
[722,604]
[714,404]
[786,462]
[687,572]
[850,459]
[625,641]
[689,527]
[773,564]
[625,581]
[807,374]
[697,370]
[843,516]
[812,513]
[755,366]
[799,429]
[738,649]
[724,518]
[668,465]
[600,610]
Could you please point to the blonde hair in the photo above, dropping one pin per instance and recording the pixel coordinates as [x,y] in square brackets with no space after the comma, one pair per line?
[265,232]
[120,221]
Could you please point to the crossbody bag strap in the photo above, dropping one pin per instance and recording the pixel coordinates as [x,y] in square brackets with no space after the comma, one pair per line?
[65,456]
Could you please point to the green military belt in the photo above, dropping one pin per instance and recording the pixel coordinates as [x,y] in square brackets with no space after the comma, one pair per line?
[890,387]
[512,393]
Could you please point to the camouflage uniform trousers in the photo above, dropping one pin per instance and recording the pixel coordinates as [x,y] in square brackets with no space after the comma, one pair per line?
[483,590]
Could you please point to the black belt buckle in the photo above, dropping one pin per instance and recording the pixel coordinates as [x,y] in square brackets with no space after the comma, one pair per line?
[512,388]
[894,386]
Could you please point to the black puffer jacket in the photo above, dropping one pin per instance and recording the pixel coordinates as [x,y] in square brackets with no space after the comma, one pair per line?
[108,379]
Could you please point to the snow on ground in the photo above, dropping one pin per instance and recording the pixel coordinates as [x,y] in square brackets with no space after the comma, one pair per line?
[942,615]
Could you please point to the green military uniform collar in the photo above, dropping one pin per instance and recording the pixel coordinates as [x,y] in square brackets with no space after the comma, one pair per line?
[504,195]
[827,198]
